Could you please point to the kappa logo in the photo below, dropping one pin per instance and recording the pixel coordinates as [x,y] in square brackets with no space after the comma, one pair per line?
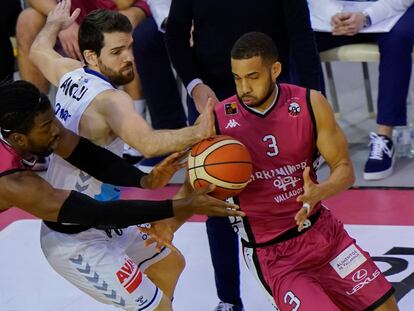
[129,275]
[232,124]
[294,109]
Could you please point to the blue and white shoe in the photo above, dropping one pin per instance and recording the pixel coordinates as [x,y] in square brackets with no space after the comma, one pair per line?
[381,158]
[223,306]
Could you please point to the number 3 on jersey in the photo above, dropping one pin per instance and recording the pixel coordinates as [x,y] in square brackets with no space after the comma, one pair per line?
[272,144]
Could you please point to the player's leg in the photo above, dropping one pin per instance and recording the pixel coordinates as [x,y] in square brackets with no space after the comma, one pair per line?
[349,275]
[283,270]
[99,266]
[29,24]
[174,263]
[155,264]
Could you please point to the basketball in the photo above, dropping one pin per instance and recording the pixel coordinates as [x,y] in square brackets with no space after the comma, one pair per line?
[220,160]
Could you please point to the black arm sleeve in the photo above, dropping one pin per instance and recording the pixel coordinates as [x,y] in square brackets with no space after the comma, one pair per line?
[104,165]
[80,209]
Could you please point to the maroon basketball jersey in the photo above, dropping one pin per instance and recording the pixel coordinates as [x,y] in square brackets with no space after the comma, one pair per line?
[10,161]
[282,142]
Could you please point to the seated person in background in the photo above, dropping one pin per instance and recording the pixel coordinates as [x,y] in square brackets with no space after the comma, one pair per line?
[395,47]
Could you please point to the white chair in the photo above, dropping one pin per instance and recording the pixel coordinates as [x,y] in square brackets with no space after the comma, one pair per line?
[363,53]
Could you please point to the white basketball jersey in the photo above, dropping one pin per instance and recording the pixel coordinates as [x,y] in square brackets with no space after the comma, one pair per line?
[76,91]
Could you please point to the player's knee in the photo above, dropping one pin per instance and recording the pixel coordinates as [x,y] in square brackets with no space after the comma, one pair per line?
[29,23]
[164,305]
[180,261]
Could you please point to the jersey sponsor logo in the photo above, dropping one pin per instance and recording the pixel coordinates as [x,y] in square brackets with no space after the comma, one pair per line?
[285,170]
[287,195]
[232,124]
[62,113]
[364,280]
[359,275]
[130,276]
[294,109]
[348,261]
[72,89]
[230,108]
[282,183]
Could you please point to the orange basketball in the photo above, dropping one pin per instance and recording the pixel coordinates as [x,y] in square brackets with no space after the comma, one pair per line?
[220,160]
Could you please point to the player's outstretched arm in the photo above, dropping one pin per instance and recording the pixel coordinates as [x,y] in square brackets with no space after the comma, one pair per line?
[31,193]
[109,168]
[117,109]
[332,144]
[52,65]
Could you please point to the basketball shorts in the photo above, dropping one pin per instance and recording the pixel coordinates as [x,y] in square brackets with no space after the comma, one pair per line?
[321,269]
[108,269]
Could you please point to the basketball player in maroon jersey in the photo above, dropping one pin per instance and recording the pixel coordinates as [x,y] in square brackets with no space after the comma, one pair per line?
[28,127]
[297,250]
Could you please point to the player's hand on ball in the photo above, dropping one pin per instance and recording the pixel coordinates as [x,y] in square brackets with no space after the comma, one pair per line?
[205,122]
[199,202]
[164,171]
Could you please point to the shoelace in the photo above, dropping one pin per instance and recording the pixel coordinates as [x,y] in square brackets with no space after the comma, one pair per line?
[378,146]
[223,306]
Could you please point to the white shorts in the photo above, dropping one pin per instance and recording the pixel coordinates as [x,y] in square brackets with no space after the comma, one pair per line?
[108,269]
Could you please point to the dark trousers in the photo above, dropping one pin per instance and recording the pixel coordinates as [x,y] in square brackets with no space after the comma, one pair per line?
[395,65]
[157,78]
[9,11]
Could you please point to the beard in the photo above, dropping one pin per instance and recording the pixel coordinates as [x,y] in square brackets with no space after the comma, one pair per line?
[42,150]
[121,77]
[257,102]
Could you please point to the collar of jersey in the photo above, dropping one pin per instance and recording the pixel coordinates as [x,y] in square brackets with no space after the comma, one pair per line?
[98,74]
[270,108]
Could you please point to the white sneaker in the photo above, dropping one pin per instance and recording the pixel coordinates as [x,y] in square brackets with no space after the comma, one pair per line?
[381,158]
[223,306]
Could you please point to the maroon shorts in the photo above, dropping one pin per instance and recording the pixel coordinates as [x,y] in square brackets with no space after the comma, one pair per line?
[321,269]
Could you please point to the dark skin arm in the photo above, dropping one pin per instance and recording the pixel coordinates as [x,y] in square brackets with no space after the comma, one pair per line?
[31,193]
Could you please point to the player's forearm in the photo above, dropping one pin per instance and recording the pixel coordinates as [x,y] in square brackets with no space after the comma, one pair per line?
[81,209]
[341,178]
[161,142]
[43,6]
[104,165]
[45,40]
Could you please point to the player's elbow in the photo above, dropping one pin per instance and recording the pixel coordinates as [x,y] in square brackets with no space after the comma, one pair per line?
[33,54]
[350,175]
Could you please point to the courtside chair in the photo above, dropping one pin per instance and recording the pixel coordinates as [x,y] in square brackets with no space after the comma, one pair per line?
[363,53]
